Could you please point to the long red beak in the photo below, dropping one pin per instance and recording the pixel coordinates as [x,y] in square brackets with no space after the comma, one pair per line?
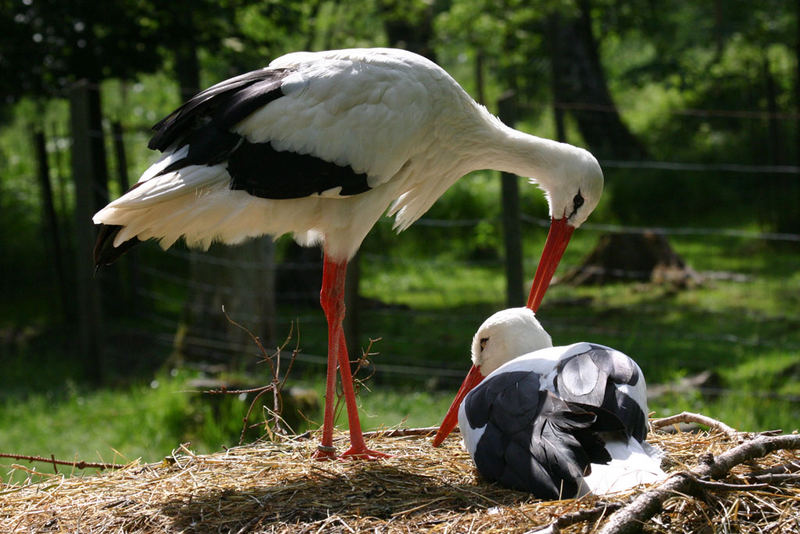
[557,241]
[554,247]
[450,421]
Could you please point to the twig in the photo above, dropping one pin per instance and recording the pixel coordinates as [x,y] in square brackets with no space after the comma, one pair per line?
[790,467]
[567,520]
[249,411]
[54,462]
[689,417]
[646,505]
[275,385]
[255,338]
[773,479]
[723,486]
[358,383]
[294,353]
[400,432]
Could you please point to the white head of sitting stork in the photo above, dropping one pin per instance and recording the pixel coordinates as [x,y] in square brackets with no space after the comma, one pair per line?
[555,421]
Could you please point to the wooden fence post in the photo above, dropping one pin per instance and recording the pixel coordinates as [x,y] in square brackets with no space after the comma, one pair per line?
[89,174]
[512,232]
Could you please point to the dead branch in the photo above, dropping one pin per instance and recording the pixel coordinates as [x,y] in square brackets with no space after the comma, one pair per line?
[567,520]
[275,385]
[774,479]
[631,517]
[789,468]
[401,432]
[358,382]
[54,462]
[689,417]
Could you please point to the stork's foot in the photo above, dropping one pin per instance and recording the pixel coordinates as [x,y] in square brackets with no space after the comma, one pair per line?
[324,453]
[363,453]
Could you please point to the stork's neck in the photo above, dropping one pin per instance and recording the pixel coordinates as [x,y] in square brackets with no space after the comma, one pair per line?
[512,151]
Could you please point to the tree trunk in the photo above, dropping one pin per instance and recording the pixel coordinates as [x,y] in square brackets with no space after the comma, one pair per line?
[407,27]
[91,193]
[783,189]
[633,257]
[51,230]
[581,87]
[797,82]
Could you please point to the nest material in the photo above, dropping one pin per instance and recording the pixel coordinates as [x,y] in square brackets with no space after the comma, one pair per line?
[277,487]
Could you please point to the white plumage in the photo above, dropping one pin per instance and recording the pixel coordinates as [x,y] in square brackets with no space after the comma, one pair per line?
[555,421]
[391,114]
[320,145]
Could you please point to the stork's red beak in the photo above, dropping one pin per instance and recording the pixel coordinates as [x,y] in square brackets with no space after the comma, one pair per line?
[554,247]
[557,241]
[450,421]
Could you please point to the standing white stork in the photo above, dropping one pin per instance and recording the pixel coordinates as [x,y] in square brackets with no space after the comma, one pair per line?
[319,145]
[558,422]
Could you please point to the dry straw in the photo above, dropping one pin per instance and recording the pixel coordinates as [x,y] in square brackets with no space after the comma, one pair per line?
[276,487]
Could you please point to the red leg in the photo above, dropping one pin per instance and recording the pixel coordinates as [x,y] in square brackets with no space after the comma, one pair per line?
[332,300]
[358,448]
[331,306]
[326,450]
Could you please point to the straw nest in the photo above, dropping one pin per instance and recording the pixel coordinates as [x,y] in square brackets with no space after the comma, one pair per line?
[276,487]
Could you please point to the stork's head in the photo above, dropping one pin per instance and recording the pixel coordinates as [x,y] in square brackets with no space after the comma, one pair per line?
[502,337]
[573,191]
[577,186]
[506,335]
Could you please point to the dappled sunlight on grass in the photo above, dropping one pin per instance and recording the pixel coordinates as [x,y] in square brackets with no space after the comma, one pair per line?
[432,285]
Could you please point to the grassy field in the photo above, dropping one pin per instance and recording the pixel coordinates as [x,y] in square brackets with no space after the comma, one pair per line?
[746,328]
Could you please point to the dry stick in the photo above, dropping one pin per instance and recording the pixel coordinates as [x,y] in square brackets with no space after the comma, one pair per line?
[634,514]
[567,520]
[400,432]
[689,417]
[276,385]
[54,462]
[789,467]
[358,383]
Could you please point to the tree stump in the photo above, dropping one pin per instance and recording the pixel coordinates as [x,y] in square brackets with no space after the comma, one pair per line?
[645,256]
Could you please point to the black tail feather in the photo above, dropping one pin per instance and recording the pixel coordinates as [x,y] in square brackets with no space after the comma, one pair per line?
[105,253]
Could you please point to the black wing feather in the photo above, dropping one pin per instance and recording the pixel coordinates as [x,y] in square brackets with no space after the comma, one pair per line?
[205,124]
[227,103]
[105,253]
[532,440]
[590,380]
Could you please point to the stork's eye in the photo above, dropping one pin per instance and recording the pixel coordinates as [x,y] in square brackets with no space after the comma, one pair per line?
[577,202]
[483,342]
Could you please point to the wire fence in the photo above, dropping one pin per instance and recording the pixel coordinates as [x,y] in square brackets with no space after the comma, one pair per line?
[405,353]
[427,339]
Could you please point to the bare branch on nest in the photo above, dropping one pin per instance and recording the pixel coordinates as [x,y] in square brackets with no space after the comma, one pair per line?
[276,384]
[54,462]
[689,417]
[401,432]
[781,469]
[567,520]
[631,517]
[358,382]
